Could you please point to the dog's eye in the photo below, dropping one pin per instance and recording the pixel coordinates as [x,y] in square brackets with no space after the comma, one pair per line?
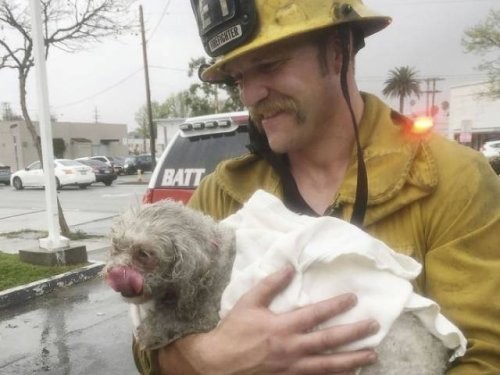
[143,255]
[114,250]
[144,258]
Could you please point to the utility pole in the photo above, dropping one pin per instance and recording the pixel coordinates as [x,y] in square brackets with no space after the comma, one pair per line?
[430,92]
[96,115]
[148,92]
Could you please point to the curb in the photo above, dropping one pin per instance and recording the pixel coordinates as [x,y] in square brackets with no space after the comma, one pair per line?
[23,293]
[133,183]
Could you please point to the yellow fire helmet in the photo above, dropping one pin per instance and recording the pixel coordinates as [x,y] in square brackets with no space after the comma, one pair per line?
[231,28]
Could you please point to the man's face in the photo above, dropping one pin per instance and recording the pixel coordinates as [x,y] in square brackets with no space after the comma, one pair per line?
[287,93]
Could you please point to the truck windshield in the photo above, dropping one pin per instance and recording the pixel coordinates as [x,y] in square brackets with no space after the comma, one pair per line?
[191,158]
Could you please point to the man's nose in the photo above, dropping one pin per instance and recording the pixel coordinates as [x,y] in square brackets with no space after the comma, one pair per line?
[252,90]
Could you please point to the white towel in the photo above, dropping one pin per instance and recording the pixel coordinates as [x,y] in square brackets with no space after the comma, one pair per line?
[331,257]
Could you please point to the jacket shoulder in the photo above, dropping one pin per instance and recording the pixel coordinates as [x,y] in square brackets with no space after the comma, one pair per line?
[232,183]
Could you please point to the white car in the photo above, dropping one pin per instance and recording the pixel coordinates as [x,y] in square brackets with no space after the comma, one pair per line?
[491,149]
[68,172]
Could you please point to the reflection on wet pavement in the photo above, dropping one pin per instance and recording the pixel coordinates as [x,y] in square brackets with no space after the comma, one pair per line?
[82,329]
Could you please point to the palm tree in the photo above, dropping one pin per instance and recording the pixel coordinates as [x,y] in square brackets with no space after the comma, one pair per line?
[401,84]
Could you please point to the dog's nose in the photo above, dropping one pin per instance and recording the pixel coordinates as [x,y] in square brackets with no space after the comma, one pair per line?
[126,280]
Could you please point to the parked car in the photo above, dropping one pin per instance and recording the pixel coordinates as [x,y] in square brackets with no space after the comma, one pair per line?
[68,172]
[495,164]
[103,172]
[113,161]
[491,149]
[134,163]
[199,145]
[4,174]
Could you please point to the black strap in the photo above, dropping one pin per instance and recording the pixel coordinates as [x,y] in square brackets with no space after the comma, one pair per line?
[361,200]
[292,198]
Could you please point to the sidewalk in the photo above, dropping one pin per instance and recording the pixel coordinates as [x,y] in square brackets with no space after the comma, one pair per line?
[97,248]
[21,219]
[93,223]
[15,219]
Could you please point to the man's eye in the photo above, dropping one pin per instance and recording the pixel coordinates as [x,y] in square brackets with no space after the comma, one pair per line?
[234,80]
[271,66]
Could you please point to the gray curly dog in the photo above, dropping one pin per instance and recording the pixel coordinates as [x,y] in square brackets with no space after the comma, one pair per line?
[174,263]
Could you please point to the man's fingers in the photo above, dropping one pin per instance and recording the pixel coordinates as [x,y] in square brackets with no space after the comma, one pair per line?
[339,363]
[310,316]
[331,338]
[268,288]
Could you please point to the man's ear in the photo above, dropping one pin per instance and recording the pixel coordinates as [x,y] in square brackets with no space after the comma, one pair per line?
[335,45]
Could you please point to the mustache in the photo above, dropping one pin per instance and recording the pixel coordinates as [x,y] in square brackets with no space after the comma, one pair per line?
[270,107]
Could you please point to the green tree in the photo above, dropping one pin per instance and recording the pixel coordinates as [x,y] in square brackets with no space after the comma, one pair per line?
[199,99]
[141,117]
[402,83]
[175,106]
[59,147]
[203,98]
[7,114]
[484,40]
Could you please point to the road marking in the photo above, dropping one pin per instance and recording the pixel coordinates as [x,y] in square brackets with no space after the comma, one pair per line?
[21,214]
[117,195]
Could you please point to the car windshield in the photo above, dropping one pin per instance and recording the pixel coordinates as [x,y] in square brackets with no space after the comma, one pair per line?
[69,163]
[115,160]
[192,158]
[35,165]
[94,163]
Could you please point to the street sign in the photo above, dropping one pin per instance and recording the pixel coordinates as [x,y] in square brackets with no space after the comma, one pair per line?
[465,137]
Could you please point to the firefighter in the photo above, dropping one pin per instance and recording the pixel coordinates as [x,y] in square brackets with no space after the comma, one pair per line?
[325,148]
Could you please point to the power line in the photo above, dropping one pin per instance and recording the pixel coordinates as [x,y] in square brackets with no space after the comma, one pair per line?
[163,13]
[167,68]
[432,93]
[446,76]
[100,92]
[123,80]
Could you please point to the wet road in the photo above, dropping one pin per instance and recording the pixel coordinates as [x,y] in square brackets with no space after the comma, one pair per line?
[82,329]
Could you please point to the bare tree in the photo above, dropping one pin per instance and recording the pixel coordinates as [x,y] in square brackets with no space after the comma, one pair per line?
[70,25]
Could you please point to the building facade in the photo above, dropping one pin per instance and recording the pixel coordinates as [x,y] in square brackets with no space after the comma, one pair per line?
[78,140]
[474,119]
[165,130]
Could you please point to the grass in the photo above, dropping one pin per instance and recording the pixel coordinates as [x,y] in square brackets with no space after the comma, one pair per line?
[25,233]
[13,272]
[36,234]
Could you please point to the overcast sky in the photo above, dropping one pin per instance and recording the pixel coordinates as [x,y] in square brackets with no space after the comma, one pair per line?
[107,80]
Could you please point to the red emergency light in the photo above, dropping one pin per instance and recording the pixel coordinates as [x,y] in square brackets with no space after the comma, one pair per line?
[422,124]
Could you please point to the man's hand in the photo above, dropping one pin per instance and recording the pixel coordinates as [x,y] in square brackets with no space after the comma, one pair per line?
[254,340]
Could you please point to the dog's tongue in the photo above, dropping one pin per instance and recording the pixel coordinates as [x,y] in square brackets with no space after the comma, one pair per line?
[125,280]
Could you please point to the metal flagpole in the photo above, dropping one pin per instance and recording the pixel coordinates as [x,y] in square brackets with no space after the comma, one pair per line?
[54,241]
